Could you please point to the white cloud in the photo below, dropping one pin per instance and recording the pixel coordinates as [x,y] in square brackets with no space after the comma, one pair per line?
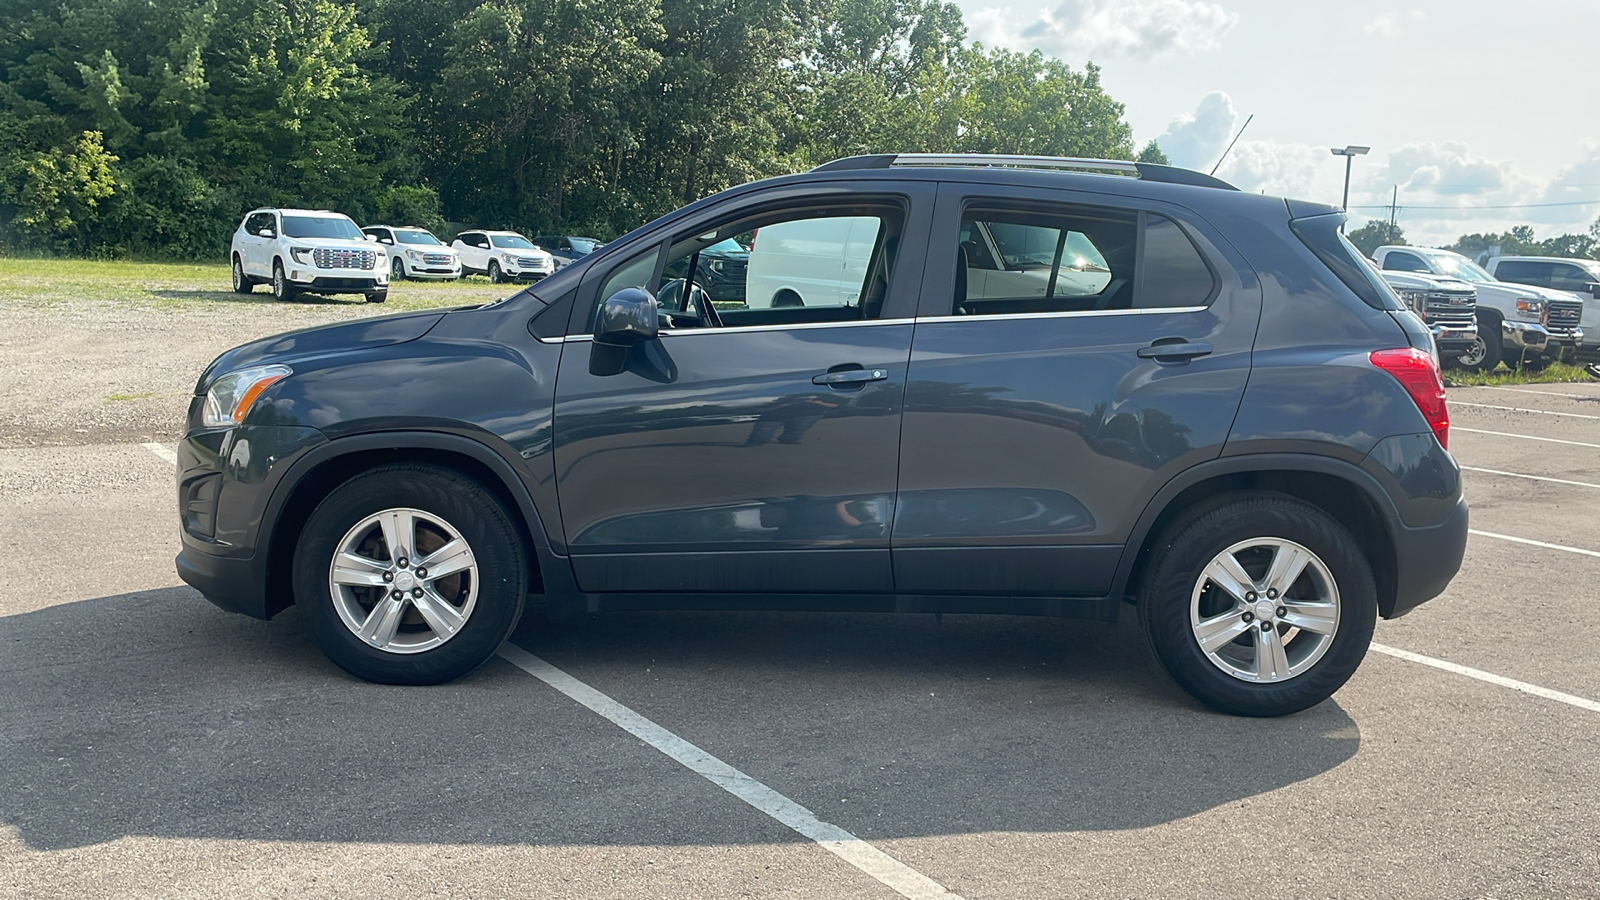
[1390,24]
[1098,29]
[1445,190]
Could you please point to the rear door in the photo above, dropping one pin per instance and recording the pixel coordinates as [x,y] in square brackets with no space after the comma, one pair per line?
[1039,424]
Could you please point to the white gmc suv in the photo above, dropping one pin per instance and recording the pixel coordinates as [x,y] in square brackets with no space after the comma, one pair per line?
[502,255]
[414,252]
[297,250]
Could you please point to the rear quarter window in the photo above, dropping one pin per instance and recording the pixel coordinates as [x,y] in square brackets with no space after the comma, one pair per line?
[1174,272]
[1322,237]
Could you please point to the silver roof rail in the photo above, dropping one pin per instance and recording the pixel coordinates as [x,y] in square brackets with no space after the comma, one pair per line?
[1109,166]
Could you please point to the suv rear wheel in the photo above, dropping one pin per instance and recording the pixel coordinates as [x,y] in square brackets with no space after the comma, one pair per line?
[282,289]
[410,574]
[1259,606]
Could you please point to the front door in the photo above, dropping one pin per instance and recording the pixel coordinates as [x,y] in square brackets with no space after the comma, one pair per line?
[746,449]
[1072,358]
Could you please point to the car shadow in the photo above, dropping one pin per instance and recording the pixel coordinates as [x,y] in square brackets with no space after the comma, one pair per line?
[152,713]
[255,297]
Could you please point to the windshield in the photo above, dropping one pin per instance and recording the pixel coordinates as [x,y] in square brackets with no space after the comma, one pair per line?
[1461,268]
[510,241]
[337,227]
[722,248]
[584,245]
[416,237]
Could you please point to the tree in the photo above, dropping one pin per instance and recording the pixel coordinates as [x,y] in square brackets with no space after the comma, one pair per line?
[1376,233]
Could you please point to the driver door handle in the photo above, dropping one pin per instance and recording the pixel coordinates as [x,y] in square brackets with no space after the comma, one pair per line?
[1174,350]
[851,376]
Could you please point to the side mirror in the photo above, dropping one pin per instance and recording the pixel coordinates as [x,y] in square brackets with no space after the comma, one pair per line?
[1594,291]
[267,233]
[627,318]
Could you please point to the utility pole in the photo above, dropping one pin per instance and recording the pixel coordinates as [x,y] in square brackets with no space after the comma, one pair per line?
[1393,201]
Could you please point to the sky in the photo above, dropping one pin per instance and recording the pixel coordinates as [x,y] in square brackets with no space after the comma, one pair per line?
[1466,105]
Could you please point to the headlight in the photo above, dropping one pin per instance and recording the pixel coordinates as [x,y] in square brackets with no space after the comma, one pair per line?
[296,251]
[508,257]
[1530,309]
[231,395]
[1416,300]
[414,256]
[715,266]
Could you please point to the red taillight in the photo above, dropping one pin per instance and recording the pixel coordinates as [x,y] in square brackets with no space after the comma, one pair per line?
[1418,372]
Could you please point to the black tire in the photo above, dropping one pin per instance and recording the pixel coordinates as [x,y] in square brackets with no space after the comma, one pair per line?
[282,288]
[484,525]
[397,270]
[377,296]
[1189,545]
[241,282]
[1490,342]
[495,276]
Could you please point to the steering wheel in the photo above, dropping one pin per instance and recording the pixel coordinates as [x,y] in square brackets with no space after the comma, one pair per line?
[697,306]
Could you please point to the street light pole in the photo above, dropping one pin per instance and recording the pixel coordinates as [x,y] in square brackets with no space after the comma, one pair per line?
[1349,153]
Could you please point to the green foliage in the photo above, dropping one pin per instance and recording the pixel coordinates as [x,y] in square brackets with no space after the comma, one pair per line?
[1376,233]
[148,128]
[1520,241]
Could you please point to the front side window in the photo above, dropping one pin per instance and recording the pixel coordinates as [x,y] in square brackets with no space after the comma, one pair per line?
[510,242]
[330,227]
[1404,262]
[1565,277]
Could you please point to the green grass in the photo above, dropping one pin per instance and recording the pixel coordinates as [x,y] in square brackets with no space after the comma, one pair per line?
[44,282]
[1555,372]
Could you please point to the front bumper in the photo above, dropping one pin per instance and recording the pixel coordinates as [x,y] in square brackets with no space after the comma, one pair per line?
[310,278]
[1534,336]
[1455,338]
[1426,559]
[225,479]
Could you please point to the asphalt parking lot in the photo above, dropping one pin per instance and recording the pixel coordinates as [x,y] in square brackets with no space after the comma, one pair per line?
[154,746]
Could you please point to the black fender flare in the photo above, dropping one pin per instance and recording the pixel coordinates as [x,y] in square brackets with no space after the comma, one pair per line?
[1237,465]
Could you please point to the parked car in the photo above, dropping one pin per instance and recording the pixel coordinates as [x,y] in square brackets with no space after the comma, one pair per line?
[415,253]
[313,250]
[1515,321]
[1243,433]
[1579,279]
[1448,307]
[567,248]
[502,255]
[719,272]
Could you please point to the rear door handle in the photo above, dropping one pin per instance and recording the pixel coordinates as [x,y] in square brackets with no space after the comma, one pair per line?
[1175,351]
[851,376]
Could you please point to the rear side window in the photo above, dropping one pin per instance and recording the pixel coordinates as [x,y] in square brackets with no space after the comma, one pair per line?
[1321,236]
[1571,278]
[1174,273]
[1533,273]
[1015,260]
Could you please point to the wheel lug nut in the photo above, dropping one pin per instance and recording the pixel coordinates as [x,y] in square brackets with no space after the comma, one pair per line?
[403,562]
[1266,626]
[396,595]
[422,573]
[416,592]
[1248,617]
[388,576]
[1272,593]
[1250,597]
[1282,612]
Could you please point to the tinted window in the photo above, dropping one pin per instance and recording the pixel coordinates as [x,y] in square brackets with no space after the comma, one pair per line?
[1174,273]
[1534,273]
[510,241]
[414,236]
[321,227]
[1321,236]
[258,222]
[1404,262]
[584,245]
[1038,261]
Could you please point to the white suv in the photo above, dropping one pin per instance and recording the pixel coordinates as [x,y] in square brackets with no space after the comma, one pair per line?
[415,253]
[298,250]
[502,255]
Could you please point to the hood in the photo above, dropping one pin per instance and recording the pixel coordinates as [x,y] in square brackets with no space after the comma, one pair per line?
[334,243]
[286,348]
[1524,291]
[1418,281]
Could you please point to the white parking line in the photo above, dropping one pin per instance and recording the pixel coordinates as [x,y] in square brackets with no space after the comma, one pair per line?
[1525,437]
[1532,543]
[1542,412]
[1543,393]
[904,880]
[1532,477]
[1490,677]
[163,451]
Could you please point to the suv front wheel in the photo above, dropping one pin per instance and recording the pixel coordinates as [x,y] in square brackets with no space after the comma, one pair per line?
[241,282]
[410,574]
[1259,606]
[282,288]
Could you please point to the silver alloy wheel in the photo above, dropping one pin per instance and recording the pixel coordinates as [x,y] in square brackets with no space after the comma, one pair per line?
[1265,610]
[280,282]
[238,275]
[403,580]
[1475,353]
[397,271]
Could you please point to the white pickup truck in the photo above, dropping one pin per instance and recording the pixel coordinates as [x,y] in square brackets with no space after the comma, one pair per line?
[1513,319]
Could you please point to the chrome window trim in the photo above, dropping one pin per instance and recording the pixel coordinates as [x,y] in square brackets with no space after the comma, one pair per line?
[1064,314]
[742,329]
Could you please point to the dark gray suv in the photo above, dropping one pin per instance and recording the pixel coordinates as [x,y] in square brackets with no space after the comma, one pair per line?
[1006,385]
